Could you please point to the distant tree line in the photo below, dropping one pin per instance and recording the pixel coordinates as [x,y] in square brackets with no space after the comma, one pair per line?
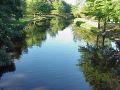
[47,7]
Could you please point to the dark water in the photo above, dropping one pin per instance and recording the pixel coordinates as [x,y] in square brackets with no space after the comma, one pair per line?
[49,58]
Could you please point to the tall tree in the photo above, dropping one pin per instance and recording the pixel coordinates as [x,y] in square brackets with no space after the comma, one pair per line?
[40,7]
[101,10]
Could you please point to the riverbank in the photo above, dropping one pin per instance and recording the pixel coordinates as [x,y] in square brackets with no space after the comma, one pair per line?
[89,29]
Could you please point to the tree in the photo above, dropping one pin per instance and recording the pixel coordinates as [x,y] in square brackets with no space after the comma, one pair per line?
[61,8]
[9,9]
[116,13]
[94,9]
[41,7]
[74,11]
[101,10]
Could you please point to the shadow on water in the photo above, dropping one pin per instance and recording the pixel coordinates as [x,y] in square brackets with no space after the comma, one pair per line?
[35,34]
[100,63]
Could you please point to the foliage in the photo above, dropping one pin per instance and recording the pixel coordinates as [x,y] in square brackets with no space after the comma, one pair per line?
[61,8]
[100,67]
[41,7]
[74,11]
[102,10]
[9,11]
[9,8]
[116,13]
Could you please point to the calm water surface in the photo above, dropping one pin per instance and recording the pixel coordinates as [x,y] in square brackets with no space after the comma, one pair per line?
[57,56]
[49,66]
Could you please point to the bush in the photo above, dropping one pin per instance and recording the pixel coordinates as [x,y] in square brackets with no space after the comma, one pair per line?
[78,23]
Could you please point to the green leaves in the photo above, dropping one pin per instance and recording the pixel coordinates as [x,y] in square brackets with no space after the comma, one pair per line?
[42,7]
[61,8]
[105,10]
[101,8]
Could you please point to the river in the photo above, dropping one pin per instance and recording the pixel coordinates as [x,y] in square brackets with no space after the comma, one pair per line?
[48,60]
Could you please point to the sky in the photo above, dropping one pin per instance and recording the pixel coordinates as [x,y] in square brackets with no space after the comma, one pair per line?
[73,2]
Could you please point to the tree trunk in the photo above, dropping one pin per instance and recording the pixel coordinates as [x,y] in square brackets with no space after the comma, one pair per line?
[99,23]
[97,40]
[103,41]
[105,23]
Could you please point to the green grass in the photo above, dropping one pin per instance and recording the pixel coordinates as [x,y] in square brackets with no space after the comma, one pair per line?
[22,21]
[16,25]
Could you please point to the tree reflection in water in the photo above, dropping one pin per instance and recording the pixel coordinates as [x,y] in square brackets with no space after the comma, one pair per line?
[57,24]
[100,64]
[35,34]
[7,68]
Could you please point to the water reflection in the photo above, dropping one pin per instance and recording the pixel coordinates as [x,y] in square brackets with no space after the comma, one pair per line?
[57,24]
[8,55]
[100,63]
[37,31]
[35,34]
[88,35]
[7,68]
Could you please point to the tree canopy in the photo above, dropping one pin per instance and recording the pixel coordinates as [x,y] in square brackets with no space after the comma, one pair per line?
[107,10]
